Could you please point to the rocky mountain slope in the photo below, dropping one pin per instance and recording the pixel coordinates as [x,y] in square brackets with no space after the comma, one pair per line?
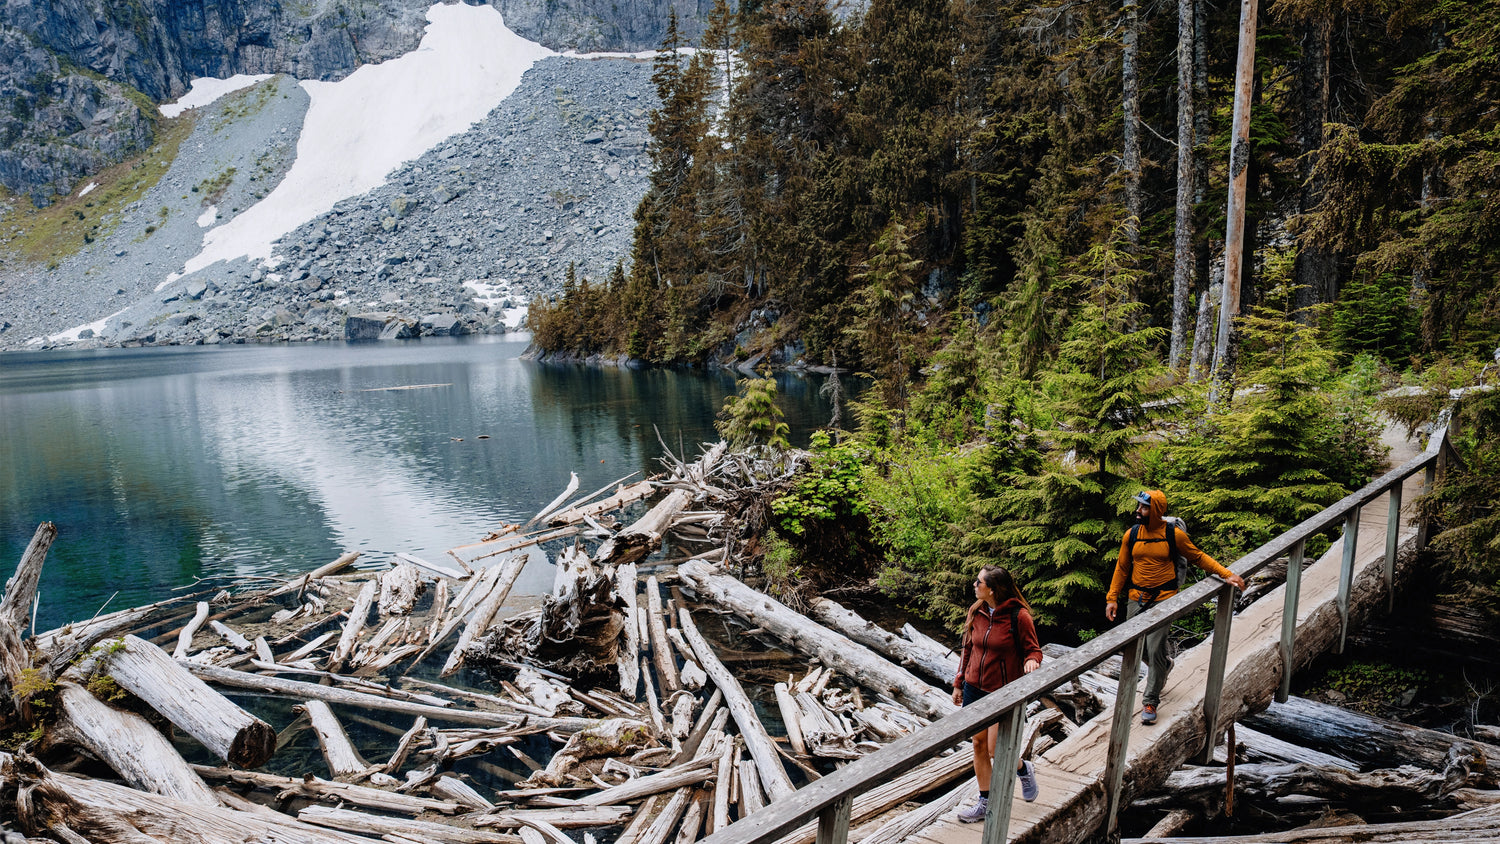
[454,242]
[88,54]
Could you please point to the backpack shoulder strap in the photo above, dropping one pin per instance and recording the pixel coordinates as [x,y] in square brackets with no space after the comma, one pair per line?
[1172,540]
[1015,632]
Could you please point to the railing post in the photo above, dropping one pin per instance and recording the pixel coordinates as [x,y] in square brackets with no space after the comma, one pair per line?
[833,822]
[1429,478]
[1289,618]
[1003,774]
[1346,572]
[1119,735]
[1218,655]
[1392,537]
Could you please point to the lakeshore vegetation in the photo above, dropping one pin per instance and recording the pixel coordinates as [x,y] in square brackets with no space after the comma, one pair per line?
[1007,217]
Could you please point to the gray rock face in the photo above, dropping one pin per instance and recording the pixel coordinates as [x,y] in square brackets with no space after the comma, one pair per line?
[366,326]
[59,125]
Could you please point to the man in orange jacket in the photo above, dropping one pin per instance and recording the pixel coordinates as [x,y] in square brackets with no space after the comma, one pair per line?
[1146,565]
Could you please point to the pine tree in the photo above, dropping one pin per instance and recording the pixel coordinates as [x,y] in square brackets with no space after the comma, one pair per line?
[752,418]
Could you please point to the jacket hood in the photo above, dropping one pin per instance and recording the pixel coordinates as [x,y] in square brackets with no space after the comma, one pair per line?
[1007,604]
[1154,516]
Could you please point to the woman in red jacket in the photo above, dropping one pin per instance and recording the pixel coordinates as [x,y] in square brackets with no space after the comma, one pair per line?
[999,646]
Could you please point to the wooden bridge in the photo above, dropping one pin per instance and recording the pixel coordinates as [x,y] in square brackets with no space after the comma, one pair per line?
[1250,658]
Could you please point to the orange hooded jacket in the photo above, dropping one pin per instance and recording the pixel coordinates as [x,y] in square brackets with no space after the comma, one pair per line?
[1151,559]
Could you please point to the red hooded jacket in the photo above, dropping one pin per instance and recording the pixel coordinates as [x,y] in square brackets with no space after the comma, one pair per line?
[990,657]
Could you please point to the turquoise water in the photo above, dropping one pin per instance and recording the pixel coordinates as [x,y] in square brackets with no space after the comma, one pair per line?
[165,466]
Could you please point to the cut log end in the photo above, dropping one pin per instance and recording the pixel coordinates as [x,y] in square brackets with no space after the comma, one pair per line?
[253,745]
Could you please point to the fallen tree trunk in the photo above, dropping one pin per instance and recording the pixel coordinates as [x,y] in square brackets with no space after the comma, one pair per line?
[314,788]
[105,812]
[127,743]
[484,614]
[1480,825]
[773,775]
[643,536]
[228,731]
[15,611]
[1363,739]
[833,649]
[1405,785]
[904,652]
[312,691]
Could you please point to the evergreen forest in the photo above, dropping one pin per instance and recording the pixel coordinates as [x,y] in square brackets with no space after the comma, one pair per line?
[1008,218]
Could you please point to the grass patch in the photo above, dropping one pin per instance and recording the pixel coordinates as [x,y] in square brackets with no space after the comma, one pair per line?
[52,234]
[212,190]
[246,102]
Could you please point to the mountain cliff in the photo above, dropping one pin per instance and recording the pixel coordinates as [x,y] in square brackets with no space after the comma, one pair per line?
[84,56]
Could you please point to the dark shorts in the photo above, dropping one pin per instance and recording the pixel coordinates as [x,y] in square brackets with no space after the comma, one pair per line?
[972,693]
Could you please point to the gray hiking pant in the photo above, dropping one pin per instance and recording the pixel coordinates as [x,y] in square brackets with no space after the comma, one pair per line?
[1157,657]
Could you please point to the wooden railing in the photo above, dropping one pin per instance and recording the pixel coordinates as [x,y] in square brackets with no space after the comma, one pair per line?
[830,799]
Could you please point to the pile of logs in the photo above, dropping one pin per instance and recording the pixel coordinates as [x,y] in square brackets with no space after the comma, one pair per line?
[437,714]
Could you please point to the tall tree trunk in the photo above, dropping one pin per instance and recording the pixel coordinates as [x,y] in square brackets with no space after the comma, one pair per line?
[1130,77]
[1316,268]
[1235,224]
[1182,265]
[1203,336]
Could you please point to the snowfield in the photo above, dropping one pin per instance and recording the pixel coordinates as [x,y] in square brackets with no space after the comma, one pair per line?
[359,128]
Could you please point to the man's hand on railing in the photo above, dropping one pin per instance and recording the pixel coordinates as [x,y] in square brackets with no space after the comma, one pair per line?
[1239,582]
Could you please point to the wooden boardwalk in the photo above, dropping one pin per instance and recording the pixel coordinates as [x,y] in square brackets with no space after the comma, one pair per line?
[1071,774]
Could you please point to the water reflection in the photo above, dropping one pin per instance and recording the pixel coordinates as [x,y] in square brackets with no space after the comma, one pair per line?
[160,466]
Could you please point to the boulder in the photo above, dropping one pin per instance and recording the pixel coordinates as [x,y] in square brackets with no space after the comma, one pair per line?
[366,326]
[398,329]
[441,325]
[194,289]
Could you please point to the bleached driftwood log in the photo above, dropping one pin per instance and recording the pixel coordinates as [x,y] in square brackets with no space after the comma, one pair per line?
[343,760]
[399,589]
[630,669]
[100,811]
[185,637]
[904,652]
[15,608]
[315,788]
[661,649]
[768,764]
[127,743]
[359,614]
[298,690]
[411,830]
[833,649]
[146,671]
[644,535]
[484,614]
[944,659]
[624,495]
[297,583]
[1405,785]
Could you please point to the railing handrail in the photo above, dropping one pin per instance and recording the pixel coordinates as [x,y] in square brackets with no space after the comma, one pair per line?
[859,776]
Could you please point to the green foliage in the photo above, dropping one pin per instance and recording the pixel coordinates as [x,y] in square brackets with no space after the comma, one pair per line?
[752,418]
[829,490]
[1467,548]
[1282,452]
[918,497]
[1371,687]
[1374,315]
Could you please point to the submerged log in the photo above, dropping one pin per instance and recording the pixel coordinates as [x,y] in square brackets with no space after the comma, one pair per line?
[833,649]
[767,763]
[228,731]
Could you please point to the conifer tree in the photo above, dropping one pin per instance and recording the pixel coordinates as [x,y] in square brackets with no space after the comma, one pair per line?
[752,418]
[885,309]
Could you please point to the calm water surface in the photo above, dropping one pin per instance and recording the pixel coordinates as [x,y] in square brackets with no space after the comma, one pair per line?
[163,466]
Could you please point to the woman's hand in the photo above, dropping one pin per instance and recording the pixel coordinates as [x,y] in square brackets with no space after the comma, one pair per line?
[1030,666]
[958,697]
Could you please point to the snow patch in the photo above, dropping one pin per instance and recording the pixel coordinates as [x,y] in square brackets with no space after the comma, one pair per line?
[169,279]
[358,129]
[88,187]
[207,89]
[208,217]
[71,335]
